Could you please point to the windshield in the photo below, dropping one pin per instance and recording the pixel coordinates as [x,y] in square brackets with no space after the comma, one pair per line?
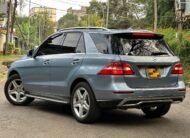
[140,47]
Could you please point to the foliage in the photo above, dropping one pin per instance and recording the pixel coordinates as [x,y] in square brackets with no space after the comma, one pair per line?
[166,13]
[69,20]
[91,20]
[180,46]
[17,51]
[10,48]
[41,27]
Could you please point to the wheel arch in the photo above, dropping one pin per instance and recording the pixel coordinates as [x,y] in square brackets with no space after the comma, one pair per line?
[76,81]
[13,72]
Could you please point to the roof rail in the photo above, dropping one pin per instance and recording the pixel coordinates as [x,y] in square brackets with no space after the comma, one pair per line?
[84,28]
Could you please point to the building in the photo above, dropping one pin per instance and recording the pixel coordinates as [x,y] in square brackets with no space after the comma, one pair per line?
[50,11]
[182,9]
[3,20]
[3,7]
[81,12]
[3,26]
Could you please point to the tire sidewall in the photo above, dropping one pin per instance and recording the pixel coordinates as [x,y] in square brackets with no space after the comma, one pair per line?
[160,111]
[9,80]
[93,104]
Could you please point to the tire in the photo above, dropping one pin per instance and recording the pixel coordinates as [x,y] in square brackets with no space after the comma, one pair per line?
[92,111]
[157,111]
[14,91]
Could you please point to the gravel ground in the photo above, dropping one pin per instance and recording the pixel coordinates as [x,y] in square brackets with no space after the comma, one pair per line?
[53,120]
[3,71]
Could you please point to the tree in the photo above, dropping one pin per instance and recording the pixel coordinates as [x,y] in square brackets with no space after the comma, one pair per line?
[43,25]
[68,20]
[97,8]
[91,20]
[123,14]
[166,13]
[40,29]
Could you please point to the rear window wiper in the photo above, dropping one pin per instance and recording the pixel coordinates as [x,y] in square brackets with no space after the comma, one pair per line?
[159,53]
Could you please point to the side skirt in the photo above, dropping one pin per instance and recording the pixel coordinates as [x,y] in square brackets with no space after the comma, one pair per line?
[48,99]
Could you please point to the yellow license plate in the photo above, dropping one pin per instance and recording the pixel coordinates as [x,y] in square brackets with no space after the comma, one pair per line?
[153,73]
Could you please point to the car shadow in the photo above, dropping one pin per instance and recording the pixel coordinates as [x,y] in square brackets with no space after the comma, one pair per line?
[108,117]
[131,117]
[52,107]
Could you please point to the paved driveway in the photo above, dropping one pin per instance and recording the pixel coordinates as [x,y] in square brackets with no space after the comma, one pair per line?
[47,119]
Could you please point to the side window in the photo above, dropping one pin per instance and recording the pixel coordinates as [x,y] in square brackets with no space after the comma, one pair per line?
[81,45]
[52,45]
[101,42]
[70,42]
[57,40]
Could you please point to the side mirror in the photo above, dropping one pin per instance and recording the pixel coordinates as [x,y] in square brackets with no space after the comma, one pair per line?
[30,53]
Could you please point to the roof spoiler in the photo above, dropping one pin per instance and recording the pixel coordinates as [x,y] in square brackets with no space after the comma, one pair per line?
[142,35]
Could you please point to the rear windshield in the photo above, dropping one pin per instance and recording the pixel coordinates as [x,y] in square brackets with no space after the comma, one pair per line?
[140,47]
[124,45]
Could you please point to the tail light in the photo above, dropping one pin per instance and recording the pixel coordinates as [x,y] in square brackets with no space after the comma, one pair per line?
[178,69]
[117,68]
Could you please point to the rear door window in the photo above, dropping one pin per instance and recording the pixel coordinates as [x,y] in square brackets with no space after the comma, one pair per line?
[71,41]
[140,47]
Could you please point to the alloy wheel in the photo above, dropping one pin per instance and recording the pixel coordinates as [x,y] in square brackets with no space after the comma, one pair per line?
[81,102]
[16,91]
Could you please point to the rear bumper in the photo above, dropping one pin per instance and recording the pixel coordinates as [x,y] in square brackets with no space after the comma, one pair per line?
[144,97]
[140,102]
[113,92]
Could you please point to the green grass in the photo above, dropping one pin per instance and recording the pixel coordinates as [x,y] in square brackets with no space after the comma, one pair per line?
[9,57]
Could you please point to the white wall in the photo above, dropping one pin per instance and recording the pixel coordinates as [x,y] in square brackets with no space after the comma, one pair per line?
[187,7]
[2,41]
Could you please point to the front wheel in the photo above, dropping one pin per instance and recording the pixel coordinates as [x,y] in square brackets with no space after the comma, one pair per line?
[14,91]
[156,111]
[83,104]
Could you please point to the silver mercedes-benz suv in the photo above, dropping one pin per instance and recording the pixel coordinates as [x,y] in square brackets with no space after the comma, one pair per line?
[96,68]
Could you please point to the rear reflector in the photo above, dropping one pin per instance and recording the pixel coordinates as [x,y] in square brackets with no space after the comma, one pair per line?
[117,68]
[178,69]
[143,34]
[122,92]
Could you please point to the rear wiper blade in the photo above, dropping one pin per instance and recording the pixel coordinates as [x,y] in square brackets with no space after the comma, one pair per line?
[159,53]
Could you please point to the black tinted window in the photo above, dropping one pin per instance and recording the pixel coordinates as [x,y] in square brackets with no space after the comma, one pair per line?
[101,42]
[52,45]
[72,39]
[57,40]
[70,42]
[81,46]
[139,47]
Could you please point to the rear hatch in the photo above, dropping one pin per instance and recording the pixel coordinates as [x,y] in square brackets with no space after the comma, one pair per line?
[150,58]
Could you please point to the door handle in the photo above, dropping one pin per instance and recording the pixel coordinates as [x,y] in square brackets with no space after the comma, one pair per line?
[75,61]
[46,62]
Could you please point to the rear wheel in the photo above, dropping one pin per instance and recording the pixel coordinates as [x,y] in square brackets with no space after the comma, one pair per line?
[14,91]
[83,104]
[156,111]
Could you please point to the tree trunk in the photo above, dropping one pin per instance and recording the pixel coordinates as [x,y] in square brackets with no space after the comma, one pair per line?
[155,15]
[7,29]
[13,19]
[108,10]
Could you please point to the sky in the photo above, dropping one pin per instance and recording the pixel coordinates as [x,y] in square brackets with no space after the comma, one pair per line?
[61,5]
